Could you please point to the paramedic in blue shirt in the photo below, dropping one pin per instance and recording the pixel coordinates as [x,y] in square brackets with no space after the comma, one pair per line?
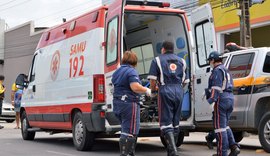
[220,94]
[169,72]
[126,96]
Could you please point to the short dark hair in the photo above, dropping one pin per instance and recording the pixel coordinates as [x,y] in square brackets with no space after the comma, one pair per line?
[2,77]
[130,58]
[168,46]
[218,60]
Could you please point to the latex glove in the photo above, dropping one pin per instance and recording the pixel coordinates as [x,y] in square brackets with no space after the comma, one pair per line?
[212,106]
[148,92]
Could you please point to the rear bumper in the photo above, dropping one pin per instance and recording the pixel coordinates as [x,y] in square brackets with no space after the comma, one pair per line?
[95,121]
[7,115]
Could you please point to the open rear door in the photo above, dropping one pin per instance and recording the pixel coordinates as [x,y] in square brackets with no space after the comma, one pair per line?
[113,47]
[205,42]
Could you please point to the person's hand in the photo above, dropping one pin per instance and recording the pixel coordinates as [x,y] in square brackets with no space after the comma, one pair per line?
[12,102]
[148,92]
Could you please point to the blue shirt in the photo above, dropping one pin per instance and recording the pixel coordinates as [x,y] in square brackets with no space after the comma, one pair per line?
[18,97]
[168,68]
[121,79]
[220,81]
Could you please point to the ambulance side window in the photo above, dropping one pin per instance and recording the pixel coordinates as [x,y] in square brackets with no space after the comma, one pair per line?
[112,39]
[240,65]
[33,67]
[266,66]
[204,42]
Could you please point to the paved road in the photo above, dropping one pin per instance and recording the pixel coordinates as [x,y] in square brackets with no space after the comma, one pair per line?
[11,144]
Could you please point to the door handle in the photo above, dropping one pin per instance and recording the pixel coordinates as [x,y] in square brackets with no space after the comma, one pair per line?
[34,88]
[199,81]
[207,69]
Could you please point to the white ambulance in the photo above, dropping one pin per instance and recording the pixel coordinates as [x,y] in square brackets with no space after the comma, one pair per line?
[70,87]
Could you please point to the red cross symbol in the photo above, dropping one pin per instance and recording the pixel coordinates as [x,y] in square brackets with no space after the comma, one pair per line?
[55,64]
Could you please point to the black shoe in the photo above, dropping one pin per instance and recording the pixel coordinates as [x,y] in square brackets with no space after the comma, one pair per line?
[214,155]
[126,145]
[1,127]
[209,143]
[234,151]
[133,147]
[171,147]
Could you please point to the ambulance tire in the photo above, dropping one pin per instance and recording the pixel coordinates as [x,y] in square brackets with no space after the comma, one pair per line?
[83,140]
[26,135]
[263,132]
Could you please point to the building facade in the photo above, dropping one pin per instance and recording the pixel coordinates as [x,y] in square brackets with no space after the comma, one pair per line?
[226,18]
[19,46]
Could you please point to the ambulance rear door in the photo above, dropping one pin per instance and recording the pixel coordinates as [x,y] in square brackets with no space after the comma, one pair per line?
[205,42]
[113,50]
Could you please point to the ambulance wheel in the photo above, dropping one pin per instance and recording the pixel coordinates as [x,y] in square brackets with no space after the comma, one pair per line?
[238,136]
[83,139]
[264,132]
[26,135]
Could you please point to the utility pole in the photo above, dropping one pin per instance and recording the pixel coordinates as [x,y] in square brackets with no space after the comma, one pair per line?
[245,30]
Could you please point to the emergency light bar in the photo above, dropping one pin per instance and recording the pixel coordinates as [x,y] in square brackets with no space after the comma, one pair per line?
[146,3]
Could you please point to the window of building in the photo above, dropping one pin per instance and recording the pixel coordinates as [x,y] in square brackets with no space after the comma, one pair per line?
[240,65]
[145,56]
[266,66]
[112,41]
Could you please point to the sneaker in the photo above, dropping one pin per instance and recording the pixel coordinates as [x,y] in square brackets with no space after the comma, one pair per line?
[1,127]
[234,151]
[209,143]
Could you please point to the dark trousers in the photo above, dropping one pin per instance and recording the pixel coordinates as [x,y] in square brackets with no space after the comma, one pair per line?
[128,114]
[170,105]
[222,113]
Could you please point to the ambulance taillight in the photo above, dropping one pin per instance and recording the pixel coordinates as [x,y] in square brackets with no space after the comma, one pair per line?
[99,88]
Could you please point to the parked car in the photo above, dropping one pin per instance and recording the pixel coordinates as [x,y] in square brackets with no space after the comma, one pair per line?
[8,113]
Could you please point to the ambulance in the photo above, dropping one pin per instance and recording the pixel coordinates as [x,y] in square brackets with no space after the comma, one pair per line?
[69,86]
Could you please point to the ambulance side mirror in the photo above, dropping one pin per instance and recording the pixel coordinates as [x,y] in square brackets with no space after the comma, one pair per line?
[21,81]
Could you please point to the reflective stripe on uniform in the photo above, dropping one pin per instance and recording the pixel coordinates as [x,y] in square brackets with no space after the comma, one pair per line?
[217,88]
[164,127]
[152,77]
[161,71]
[126,134]
[184,69]
[220,130]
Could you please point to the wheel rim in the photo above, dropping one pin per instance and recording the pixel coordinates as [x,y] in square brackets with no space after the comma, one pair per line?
[79,132]
[267,131]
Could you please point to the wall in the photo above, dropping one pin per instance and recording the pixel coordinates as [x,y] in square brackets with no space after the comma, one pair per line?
[20,44]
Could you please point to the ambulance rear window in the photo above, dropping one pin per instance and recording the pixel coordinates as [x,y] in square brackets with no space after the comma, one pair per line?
[112,45]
